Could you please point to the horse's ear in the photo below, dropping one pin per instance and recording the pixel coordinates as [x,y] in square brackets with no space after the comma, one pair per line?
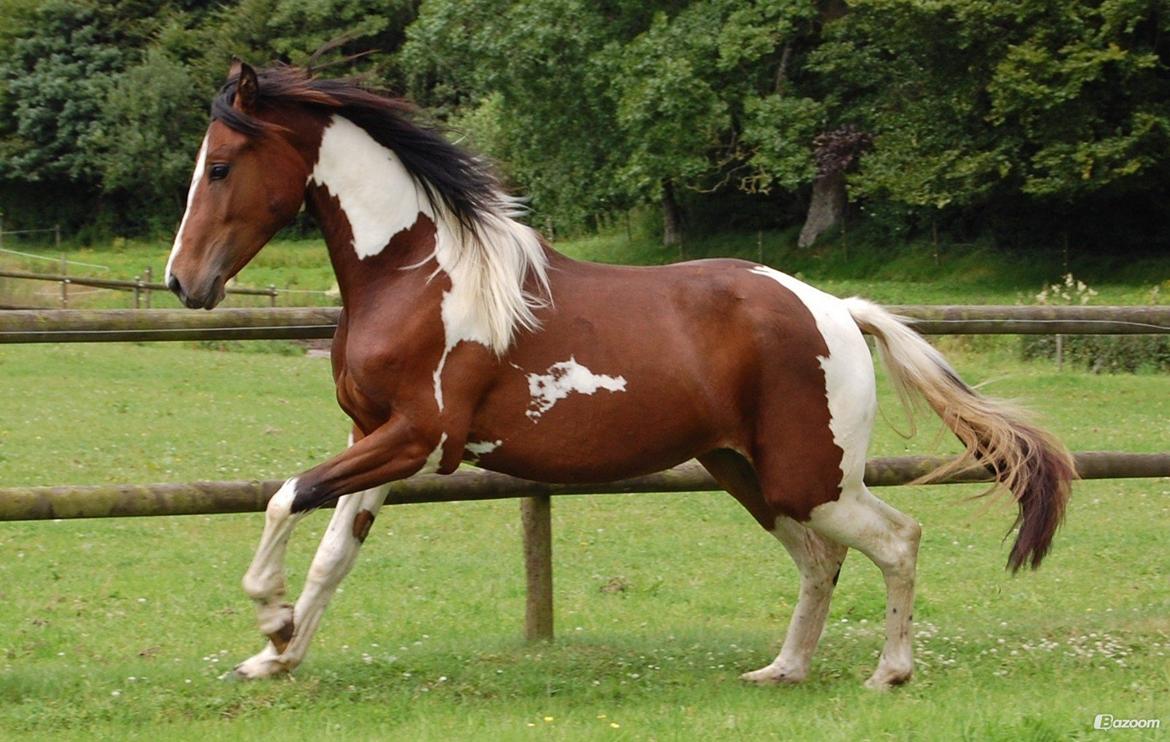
[247,86]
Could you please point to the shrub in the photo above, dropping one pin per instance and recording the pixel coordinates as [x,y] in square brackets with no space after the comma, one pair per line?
[1097,353]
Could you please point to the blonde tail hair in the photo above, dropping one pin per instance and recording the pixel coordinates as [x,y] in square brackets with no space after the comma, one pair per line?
[1029,462]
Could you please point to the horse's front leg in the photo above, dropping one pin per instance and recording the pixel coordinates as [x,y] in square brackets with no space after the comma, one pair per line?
[394,451]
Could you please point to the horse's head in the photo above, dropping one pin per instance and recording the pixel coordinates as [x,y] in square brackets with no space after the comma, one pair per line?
[249,182]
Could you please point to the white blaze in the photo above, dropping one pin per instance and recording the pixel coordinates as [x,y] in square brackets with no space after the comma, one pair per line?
[195,178]
[563,379]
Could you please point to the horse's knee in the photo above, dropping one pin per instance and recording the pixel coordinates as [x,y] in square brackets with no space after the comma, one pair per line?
[279,505]
[260,585]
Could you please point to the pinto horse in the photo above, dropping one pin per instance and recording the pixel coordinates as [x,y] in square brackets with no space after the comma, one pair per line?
[465,337]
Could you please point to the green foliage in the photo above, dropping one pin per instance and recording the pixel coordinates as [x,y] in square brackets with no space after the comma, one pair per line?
[670,112]
[1096,353]
[152,111]
[56,72]
[529,72]
[1114,354]
[973,102]
[1018,122]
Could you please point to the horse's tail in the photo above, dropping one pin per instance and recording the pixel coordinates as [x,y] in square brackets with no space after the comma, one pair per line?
[1028,461]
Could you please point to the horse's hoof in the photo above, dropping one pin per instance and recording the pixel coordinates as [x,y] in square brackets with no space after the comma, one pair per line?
[773,675]
[883,679]
[266,664]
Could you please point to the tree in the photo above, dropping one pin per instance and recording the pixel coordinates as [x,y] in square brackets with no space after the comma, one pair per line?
[149,127]
[523,76]
[981,104]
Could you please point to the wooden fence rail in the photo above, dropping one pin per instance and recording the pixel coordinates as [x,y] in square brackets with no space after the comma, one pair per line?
[210,498]
[120,325]
[137,286]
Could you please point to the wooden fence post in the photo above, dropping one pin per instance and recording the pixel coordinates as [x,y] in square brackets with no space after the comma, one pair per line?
[64,283]
[536,520]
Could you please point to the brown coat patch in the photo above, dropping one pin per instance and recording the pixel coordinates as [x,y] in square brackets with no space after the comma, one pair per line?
[361,525]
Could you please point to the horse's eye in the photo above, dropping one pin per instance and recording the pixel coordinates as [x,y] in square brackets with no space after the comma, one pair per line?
[219,171]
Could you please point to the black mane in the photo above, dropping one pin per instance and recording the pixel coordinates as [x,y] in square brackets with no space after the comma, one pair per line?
[450,176]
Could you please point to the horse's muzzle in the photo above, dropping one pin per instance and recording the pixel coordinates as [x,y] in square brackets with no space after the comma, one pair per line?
[207,299]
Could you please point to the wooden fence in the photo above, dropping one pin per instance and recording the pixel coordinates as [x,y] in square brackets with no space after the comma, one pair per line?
[142,287]
[38,503]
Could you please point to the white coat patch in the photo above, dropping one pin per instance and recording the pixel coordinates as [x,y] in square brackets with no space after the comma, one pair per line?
[435,460]
[563,379]
[849,380]
[381,198]
[475,449]
[378,196]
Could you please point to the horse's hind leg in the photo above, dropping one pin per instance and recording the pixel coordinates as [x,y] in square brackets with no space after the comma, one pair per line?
[818,560]
[334,559]
[889,538]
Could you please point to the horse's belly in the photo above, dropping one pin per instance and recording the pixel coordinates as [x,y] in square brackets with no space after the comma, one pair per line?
[581,459]
[598,432]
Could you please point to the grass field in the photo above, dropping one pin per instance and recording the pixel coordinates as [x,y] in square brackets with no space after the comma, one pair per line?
[120,628]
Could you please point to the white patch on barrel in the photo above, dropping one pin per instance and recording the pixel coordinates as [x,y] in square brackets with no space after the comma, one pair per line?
[475,449]
[198,176]
[563,379]
[435,460]
[849,379]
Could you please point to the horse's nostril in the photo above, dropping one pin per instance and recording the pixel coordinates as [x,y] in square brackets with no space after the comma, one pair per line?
[173,285]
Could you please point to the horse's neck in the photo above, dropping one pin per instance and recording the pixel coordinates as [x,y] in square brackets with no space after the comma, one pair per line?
[377,222]
[372,213]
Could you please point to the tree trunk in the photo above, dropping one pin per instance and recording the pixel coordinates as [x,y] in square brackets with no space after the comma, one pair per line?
[671,217]
[827,209]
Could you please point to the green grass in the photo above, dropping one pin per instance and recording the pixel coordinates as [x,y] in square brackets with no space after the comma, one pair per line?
[887,273]
[300,268]
[120,628]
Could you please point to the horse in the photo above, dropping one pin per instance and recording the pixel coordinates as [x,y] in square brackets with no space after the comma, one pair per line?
[464,337]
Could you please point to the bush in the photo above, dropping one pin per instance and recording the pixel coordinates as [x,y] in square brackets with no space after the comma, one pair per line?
[1097,353]
[1104,353]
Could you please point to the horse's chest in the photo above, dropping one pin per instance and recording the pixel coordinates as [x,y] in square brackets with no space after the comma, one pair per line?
[384,372]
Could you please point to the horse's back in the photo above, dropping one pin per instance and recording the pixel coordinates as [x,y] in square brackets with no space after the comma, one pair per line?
[654,366]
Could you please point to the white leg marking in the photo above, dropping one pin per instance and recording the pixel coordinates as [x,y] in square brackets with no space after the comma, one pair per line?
[858,519]
[334,559]
[563,379]
[890,539]
[264,580]
[195,178]
[818,560]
